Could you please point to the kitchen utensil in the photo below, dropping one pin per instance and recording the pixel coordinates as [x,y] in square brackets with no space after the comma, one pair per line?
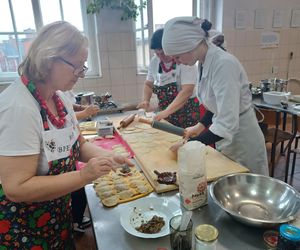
[163,126]
[126,121]
[85,98]
[256,200]
[185,219]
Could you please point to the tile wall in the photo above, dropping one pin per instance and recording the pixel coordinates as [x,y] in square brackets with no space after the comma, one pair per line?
[258,62]
[118,61]
[245,43]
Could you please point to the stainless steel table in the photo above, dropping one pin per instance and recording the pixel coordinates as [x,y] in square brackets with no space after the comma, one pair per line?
[110,235]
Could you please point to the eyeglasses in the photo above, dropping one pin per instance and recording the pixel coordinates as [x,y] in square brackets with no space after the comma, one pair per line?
[81,71]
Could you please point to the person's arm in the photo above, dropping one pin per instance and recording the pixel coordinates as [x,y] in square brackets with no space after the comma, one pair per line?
[182,97]
[207,118]
[78,107]
[145,104]
[207,137]
[21,184]
[87,112]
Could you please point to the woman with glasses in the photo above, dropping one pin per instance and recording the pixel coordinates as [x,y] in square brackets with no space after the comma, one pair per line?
[40,143]
[173,85]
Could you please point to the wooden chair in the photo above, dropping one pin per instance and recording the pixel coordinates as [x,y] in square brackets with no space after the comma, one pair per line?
[295,150]
[270,121]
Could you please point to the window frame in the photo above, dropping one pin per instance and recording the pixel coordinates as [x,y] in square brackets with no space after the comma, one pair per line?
[200,8]
[89,27]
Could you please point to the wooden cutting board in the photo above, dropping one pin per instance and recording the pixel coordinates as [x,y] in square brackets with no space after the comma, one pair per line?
[151,148]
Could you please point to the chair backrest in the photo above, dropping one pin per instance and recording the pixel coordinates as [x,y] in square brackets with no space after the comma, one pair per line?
[293,86]
[268,116]
[298,124]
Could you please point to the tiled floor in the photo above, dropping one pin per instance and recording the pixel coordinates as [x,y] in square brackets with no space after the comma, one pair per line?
[86,241]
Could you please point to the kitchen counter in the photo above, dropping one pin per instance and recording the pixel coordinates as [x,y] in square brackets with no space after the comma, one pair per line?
[109,233]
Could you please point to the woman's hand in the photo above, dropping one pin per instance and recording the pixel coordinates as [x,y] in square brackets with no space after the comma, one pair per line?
[174,148]
[91,110]
[143,105]
[119,159]
[102,165]
[161,115]
[193,131]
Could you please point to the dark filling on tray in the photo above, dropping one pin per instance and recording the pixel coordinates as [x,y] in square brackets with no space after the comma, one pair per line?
[166,177]
[153,226]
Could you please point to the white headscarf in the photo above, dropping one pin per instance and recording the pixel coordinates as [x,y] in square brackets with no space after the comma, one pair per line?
[182,34]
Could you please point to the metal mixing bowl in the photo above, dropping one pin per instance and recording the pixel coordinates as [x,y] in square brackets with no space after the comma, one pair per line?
[256,200]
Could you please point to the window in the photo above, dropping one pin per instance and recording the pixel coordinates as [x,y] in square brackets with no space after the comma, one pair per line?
[154,16]
[21,19]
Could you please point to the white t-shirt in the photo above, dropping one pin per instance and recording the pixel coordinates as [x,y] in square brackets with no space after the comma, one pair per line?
[70,95]
[183,74]
[224,90]
[21,124]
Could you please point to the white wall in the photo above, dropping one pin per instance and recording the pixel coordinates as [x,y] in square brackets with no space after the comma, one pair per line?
[118,60]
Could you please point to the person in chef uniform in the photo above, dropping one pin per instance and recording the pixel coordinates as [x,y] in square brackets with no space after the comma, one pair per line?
[223,90]
[174,86]
[40,143]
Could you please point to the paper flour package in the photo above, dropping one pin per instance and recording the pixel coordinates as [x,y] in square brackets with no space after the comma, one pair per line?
[192,174]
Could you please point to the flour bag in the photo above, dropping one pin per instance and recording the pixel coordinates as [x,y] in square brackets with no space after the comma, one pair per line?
[192,174]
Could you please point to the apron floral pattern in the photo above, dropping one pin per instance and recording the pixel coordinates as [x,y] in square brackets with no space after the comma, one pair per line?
[40,225]
[187,116]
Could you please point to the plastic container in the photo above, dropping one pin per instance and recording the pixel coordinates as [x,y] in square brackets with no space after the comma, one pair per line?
[289,238]
[206,237]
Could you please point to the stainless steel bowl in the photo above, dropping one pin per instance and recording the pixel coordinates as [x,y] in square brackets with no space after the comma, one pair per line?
[256,200]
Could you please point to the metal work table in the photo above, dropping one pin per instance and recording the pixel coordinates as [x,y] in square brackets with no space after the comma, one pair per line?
[109,233]
[257,101]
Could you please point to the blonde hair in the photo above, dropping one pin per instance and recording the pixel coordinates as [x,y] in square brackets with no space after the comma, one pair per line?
[58,39]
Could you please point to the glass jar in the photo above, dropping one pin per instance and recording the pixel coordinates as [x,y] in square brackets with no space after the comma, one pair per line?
[271,239]
[289,238]
[206,237]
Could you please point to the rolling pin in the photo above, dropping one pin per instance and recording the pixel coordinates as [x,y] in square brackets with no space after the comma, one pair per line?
[126,121]
[163,126]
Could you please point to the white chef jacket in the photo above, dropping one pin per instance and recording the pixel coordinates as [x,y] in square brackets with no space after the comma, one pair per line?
[224,90]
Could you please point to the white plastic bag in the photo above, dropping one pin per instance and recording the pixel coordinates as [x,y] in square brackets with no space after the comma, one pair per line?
[192,174]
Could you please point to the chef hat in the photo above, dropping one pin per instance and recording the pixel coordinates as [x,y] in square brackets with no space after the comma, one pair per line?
[183,34]
[217,38]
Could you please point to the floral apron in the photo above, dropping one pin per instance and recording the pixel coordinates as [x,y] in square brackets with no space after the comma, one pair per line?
[41,225]
[187,116]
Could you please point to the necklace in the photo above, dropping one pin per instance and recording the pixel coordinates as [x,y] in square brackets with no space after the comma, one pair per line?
[60,122]
[165,69]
